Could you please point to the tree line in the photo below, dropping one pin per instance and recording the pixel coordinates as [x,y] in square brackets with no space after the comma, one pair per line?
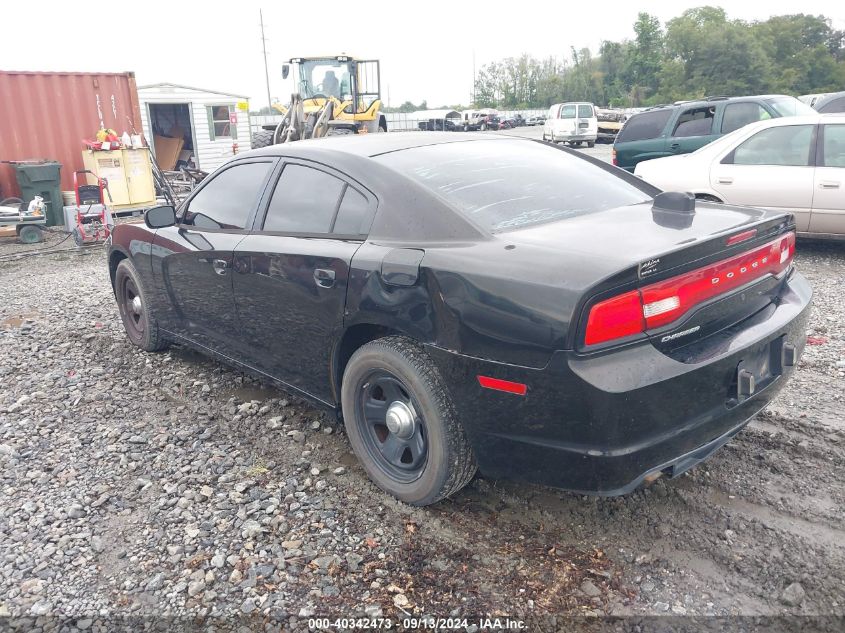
[699,53]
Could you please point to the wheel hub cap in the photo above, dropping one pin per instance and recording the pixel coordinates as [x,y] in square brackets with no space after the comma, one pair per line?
[136,305]
[400,420]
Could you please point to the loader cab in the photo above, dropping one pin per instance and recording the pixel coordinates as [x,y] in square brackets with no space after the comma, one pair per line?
[355,83]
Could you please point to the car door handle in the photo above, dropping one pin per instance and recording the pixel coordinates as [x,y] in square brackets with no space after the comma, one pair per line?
[674,146]
[724,180]
[220,266]
[324,277]
[828,184]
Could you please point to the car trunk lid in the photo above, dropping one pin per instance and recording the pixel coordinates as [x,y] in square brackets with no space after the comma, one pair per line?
[671,277]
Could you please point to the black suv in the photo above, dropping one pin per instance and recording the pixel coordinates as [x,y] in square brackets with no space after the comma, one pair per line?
[685,126]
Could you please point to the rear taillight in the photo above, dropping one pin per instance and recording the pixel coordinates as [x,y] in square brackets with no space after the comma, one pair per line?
[664,302]
[613,158]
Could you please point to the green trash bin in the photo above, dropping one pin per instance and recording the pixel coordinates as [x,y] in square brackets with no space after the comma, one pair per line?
[42,178]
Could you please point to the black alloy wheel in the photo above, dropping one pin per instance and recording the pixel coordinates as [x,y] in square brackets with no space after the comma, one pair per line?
[394,433]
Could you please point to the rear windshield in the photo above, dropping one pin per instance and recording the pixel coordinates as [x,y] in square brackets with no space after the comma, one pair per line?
[567,112]
[505,185]
[585,111]
[644,126]
[789,106]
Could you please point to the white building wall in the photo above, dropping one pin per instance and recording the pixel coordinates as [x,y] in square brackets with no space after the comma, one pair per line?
[209,154]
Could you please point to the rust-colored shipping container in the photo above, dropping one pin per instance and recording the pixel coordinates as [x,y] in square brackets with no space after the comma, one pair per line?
[46,115]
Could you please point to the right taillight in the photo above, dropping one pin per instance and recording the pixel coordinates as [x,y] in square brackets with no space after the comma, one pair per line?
[664,302]
[613,157]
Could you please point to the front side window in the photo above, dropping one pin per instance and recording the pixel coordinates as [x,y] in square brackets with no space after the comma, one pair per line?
[505,185]
[738,115]
[644,126]
[567,112]
[585,111]
[834,146]
[305,200]
[227,201]
[220,123]
[784,145]
[695,122]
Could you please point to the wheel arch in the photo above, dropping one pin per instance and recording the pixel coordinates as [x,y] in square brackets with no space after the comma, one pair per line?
[115,257]
[353,338]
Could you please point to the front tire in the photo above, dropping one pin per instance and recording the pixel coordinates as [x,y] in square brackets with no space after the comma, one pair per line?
[402,423]
[138,319]
[262,138]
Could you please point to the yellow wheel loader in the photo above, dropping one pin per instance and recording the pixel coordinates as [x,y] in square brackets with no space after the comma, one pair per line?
[335,95]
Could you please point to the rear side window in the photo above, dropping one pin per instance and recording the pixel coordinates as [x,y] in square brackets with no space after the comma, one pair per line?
[643,126]
[738,115]
[585,111]
[227,201]
[354,215]
[787,145]
[567,112]
[305,200]
[834,145]
[695,122]
[837,105]
[504,185]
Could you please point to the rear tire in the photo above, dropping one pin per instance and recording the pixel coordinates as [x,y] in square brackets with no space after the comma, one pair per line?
[262,138]
[396,372]
[706,197]
[591,143]
[78,239]
[138,319]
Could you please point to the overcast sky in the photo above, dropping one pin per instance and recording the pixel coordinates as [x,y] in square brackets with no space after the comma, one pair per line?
[425,47]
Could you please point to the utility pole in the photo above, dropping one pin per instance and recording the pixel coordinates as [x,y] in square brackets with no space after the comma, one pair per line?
[264,49]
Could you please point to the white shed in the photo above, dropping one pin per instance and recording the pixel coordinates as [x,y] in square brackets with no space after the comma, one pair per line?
[213,126]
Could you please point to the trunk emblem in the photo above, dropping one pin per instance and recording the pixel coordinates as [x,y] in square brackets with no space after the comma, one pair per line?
[649,267]
[672,337]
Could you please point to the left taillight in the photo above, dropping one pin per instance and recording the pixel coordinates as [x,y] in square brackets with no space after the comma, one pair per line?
[663,302]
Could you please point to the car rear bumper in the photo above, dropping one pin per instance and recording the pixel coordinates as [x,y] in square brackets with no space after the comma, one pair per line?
[569,137]
[602,424]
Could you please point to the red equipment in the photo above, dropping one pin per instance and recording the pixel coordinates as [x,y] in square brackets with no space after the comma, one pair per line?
[91,226]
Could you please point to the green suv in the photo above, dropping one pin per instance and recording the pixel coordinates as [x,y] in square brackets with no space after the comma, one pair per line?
[686,126]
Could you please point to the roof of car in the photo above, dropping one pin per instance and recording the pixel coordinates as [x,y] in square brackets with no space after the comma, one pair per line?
[374,144]
[821,101]
[708,100]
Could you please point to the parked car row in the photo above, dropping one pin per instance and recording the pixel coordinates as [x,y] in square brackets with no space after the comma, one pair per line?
[683,128]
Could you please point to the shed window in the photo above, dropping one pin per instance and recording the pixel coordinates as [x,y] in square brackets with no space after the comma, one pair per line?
[219,123]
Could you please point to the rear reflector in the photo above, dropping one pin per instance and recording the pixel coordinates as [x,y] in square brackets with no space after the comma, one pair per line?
[664,302]
[503,385]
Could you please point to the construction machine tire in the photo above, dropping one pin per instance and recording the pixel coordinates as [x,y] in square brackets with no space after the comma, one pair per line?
[262,138]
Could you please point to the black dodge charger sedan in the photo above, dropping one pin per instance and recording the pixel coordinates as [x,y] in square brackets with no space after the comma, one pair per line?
[477,302]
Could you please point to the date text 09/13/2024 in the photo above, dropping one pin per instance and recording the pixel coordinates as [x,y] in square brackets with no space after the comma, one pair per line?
[417,624]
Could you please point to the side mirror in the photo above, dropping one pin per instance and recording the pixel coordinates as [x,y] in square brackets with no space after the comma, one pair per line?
[160,217]
[285,71]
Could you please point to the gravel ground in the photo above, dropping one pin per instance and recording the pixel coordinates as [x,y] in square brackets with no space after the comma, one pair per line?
[168,484]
